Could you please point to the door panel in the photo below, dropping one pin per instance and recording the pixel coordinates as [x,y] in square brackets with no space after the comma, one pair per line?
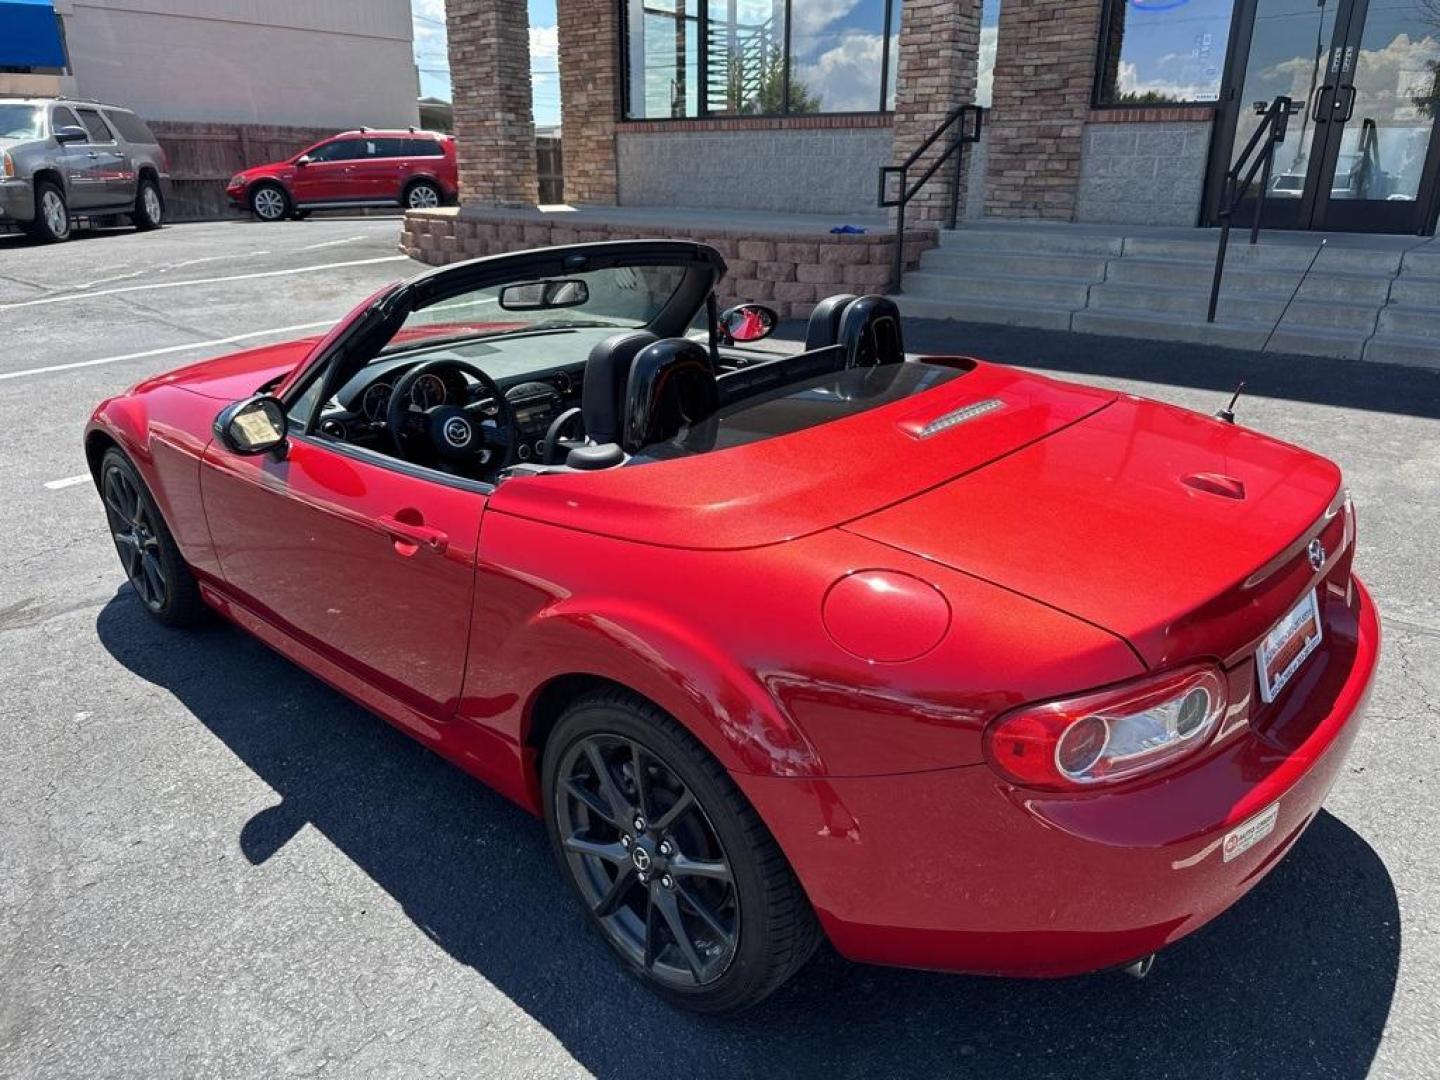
[369,566]
[329,177]
[114,177]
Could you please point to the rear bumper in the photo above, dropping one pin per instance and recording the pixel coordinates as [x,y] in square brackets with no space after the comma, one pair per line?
[17,202]
[955,869]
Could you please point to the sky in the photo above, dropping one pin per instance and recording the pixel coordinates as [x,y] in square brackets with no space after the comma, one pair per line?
[430,55]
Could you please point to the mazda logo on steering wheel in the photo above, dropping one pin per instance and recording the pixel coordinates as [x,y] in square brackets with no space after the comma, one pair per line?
[457,432]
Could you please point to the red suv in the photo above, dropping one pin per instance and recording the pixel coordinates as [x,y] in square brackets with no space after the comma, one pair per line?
[356,168]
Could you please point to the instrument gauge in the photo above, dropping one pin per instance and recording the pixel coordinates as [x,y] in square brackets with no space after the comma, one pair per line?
[429,390]
[375,400]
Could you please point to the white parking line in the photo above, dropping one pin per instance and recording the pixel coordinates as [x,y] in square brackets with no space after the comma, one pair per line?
[201,281]
[69,481]
[162,352]
[333,243]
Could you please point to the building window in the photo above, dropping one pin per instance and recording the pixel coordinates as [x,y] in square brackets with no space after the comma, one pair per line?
[691,58]
[1168,52]
[985,61]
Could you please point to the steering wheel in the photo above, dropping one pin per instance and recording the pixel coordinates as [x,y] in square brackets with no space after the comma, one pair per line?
[480,434]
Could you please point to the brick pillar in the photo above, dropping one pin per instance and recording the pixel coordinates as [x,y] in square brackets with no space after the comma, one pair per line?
[939,50]
[1044,75]
[589,36]
[490,81]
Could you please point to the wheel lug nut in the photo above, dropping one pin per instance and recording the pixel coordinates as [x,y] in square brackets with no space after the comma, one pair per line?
[639,824]
[668,881]
[666,848]
[625,841]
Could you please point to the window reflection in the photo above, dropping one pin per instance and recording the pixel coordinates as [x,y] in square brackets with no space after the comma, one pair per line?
[690,58]
[1164,50]
[985,65]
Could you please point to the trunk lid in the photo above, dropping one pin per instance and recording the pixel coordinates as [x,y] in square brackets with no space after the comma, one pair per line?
[1186,536]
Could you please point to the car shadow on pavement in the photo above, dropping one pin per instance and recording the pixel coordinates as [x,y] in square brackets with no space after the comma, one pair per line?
[1296,980]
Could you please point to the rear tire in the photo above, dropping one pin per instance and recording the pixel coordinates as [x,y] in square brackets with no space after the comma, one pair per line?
[52,215]
[269,202]
[148,554]
[423,195]
[715,874]
[149,206]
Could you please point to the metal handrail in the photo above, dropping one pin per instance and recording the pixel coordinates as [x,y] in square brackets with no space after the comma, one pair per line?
[1277,120]
[908,191]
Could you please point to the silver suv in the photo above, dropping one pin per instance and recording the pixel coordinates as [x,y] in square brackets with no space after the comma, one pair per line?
[62,160]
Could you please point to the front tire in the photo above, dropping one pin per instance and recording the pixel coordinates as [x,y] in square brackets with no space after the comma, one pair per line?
[268,202]
[149,206]
[671,864]
[52,215]
[148,554]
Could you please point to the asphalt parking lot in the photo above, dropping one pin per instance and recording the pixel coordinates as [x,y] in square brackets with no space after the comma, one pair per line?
[213,865]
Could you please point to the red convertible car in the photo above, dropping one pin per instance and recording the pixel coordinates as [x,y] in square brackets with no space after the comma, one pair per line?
[960,667]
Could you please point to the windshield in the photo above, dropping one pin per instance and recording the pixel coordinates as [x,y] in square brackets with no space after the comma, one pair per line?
[21,121]
[615,298]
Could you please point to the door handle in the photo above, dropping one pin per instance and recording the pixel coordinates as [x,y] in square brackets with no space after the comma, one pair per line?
[1317,114]
[92,154]
[414,536]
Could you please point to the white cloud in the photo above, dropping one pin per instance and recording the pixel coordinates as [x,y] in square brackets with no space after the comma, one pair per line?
[544,43]
[815,16]
[847,77]
[985,66]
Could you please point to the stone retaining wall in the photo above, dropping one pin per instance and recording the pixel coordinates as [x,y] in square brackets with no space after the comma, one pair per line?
[786,269]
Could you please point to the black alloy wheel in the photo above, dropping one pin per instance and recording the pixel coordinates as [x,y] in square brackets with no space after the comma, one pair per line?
[669,861]
[647,860]
[147,551]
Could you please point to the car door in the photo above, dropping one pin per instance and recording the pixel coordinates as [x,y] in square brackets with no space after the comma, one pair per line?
[327,176]
[375,174]
[114,170]
[84,185]
[365,561]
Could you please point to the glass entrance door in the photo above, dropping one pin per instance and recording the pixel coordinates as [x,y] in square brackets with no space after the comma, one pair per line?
[1363,154]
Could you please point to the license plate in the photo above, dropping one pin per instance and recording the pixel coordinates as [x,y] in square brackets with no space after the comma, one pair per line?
[1287,646]
[1245,836]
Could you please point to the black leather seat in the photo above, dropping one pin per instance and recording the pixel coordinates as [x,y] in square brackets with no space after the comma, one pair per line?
[607,373]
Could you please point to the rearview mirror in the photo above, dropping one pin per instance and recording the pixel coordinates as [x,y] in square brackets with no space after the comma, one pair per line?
[543,295]
[70,133]
[255,425]
[303,159]
[747,322]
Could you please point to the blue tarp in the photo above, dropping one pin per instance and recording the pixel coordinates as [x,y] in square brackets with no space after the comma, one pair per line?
[30,34]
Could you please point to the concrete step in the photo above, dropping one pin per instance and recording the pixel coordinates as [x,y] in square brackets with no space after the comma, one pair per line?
[1408,321]
[1290,256]
[1053,292]
[1060,241]
[1238,335]
[984,311]
[946,260]
[1422,262]
[1235,307]
[1400,349]
[1271,281]
[1415,289]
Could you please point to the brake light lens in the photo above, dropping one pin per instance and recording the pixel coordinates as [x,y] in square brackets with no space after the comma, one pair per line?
[1108,735]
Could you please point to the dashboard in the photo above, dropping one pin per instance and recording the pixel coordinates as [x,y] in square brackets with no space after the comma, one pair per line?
[357,412]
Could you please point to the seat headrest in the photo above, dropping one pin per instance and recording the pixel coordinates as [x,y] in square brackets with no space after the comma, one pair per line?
[602,392]
[824,326]
[671,385]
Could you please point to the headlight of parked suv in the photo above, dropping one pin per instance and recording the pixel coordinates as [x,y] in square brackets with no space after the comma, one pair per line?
[7,166]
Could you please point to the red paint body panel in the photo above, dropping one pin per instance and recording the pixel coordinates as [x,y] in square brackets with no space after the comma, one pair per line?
[1042,547]
[774,490]
[362,179]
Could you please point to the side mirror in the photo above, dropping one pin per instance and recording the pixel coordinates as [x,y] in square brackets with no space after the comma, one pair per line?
[303,159]
[747,322]
[544,295]
[255,425]
[70,133]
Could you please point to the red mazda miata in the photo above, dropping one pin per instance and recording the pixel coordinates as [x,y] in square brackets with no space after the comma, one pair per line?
[961,667]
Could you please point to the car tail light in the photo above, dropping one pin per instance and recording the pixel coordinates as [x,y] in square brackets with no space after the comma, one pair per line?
[1110,734]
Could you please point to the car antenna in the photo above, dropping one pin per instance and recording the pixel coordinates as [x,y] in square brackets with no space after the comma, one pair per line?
[1228,412]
